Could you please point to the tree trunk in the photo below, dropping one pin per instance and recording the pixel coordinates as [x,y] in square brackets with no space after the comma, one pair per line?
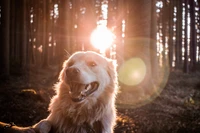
[12,29]
[193,36]
[39,30]
[74,19]
[120,30]
[179,33]
[25,34]
[153,44]
[18,36]
[186,64]
[164,27]
[5,38]
[45,32]
[171,44]
[63,26]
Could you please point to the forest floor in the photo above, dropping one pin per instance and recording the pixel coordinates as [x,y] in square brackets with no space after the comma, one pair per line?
[24,100]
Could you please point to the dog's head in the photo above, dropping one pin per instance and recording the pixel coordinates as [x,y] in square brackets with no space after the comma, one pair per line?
[88,74]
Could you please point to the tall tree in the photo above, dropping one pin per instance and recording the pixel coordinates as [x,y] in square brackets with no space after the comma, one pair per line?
[45,32]
[24,33]
[193,36]
[186,63]
[171,33]
[178,33]
[12,30]
[120,24]
[5,37]
[63,29]
[164,21]
[153,46]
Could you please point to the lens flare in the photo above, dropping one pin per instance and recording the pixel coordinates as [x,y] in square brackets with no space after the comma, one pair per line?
[132,72]
[134,90]
[102,38]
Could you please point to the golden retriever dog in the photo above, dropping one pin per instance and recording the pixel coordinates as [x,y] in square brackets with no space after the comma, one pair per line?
[85,96]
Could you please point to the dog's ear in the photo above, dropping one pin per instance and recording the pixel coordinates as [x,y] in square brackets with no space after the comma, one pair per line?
[62,72]
[112,70]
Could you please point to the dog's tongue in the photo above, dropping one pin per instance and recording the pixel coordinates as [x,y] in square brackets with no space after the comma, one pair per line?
[78,92]
[78,87]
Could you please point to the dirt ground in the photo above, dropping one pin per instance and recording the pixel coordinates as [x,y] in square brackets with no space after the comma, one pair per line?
[24,100]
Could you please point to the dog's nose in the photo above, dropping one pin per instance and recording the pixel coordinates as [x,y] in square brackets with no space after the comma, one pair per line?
[72,72]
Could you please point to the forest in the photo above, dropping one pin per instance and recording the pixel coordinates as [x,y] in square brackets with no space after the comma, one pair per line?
[156,44]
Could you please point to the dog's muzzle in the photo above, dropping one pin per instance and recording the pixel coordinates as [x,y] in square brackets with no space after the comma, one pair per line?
[79,92]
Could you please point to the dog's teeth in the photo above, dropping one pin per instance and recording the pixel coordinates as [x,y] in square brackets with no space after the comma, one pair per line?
[88,87]
[83,94]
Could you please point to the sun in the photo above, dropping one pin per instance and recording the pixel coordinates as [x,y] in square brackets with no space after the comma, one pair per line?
[102,38]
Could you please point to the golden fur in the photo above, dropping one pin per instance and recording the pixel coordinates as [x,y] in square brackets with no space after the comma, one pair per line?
[67,116]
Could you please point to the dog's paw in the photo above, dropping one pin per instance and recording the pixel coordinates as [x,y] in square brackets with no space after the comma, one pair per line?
[27,130]
[43,126]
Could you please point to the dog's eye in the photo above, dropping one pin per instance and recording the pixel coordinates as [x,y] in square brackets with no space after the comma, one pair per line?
[92,63]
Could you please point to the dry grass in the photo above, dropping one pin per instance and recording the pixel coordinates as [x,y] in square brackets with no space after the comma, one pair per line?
[176,109]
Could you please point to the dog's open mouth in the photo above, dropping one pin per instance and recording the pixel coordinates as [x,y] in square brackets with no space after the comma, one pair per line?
[79,92]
